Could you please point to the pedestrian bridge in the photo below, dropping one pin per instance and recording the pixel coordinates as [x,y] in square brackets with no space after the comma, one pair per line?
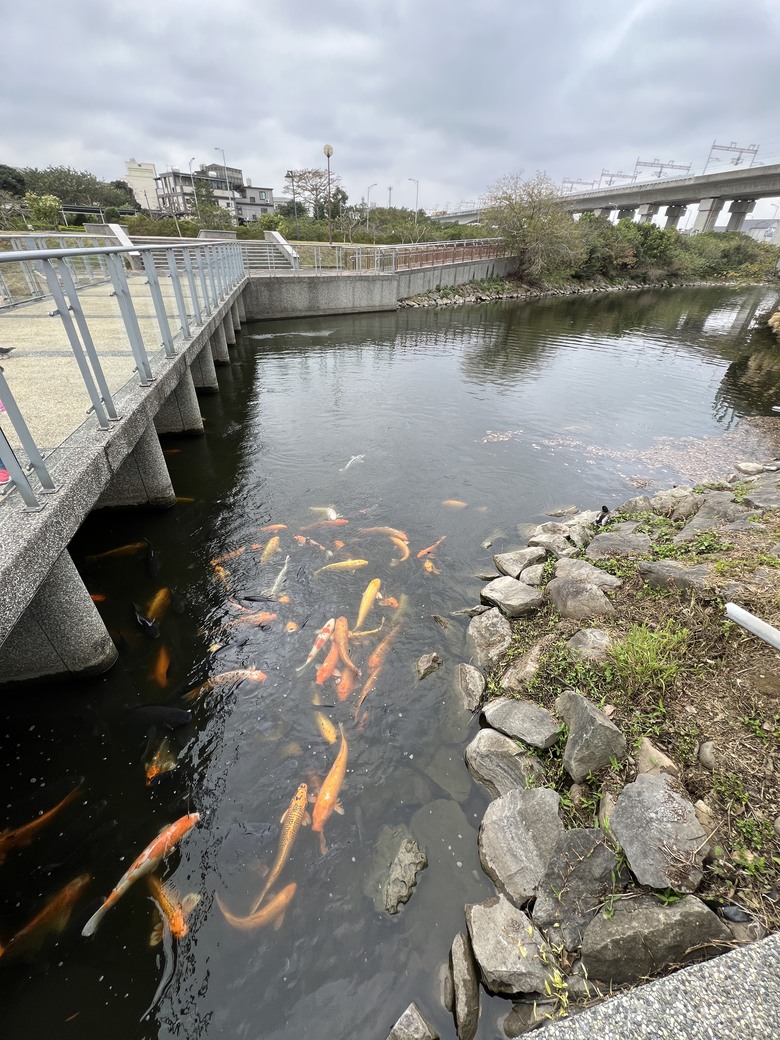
[104,348]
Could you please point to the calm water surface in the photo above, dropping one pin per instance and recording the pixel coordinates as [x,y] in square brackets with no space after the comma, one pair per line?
[510,410]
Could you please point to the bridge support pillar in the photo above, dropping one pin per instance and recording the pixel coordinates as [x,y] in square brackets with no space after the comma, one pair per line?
[647,211]
[605,211]
[219,345]
[673,215]
[204,375]
[241,309]
[142,479]
[235,316]
[180,412]
[738,211]
[230,332]
[626,212]
[709,210]
[60,634]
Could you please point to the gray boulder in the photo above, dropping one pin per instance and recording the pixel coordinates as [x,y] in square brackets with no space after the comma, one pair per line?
[658,831]
[427,665]
[491,635]
[556,544]
[522,670]
[593,740]
[650,759]
[514,598]
[533,575]
[666,502]
[581,570]
[717,511]
[638,504]
[577,599]
[513,956]
[523,720]
[412,1026]
[397,861]
[581,872]
[687,507]
[514,563]
[668,574]
[471,686]
[516,840]
[499,764]
[618,543]
[590,644]
[465,983]
[643,937]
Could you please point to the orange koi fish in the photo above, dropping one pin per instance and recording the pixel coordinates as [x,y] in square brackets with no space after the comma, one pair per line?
[431,548]
[389,601]
[159,760]
[271,528]
[291,626]
[222,574]
[338,544]
[342,565]
[391,532]
[161,665]
[97,597]
[341,639]
[339,522]
[346,684]
[228,556]
[171,451]
[431,567]
[399,543]
[272,911]
[323,636]
[149,860]
[292,820]
[367,601]
[375,663]
[124,550]
[328,667]
[158,604]
[326,727]
[172,911]
[21,837]
[237,675]
[261,617]
[454,503]
[327,799]
[301,539]
[274,546]
[53,918]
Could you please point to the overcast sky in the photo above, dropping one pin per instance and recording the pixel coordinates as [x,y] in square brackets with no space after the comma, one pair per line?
[455,93]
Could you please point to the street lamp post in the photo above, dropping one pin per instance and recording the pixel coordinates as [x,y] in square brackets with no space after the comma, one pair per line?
[291,178]
[368,203]
[231,203]
[328,150]
[192,185]
[389,196]
[416,195]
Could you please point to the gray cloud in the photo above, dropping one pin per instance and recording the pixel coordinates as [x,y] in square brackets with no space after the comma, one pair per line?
[454,94]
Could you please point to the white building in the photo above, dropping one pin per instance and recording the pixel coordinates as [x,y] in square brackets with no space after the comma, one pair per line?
[175,192]
[142,178]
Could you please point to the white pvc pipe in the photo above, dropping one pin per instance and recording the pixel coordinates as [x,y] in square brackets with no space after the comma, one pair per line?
[753,624]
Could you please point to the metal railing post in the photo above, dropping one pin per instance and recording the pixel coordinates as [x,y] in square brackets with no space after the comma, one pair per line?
[127,310]
[159,304]
[192,287]
[178,294]
[48,487]
[209,262]
[16,473]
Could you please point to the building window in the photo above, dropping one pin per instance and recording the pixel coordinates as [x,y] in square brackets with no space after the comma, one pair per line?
[263,196]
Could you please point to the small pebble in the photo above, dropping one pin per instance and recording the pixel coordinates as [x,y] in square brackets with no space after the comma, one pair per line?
[707,755]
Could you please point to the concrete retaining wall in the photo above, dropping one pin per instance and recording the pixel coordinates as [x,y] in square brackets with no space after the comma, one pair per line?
[307,295]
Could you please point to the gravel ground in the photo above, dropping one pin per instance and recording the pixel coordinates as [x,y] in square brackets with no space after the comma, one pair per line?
[733,996]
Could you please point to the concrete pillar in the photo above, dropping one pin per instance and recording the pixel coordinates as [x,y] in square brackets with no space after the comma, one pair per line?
[219,347]
[204,375]
[235,316]
[230,332]
[241,308]
[739,210]
[142,479]
[60,634]
[180,413]
[626,211]
[605,211]
[673,215]
[647,211]
[709,209]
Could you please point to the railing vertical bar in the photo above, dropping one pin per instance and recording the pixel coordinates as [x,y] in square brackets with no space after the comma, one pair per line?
[192,287]
[17,475]
[127,310]
[23,433]
[178,294]
[209,261]
[203,275]
[159,305]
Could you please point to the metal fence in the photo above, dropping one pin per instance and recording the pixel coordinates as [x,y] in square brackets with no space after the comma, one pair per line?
[148,302]
[23,282]
[321,258]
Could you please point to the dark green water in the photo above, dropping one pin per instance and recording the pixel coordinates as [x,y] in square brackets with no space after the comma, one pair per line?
[514,410]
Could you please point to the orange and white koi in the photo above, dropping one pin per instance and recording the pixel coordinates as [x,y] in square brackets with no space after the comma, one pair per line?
[273,911]
[149,860]
[171,909]
[274,546]
[326,727]
[228,556]
[294,817]
[404,547]
[327,799]
[328,512]
[431,548]
[341,639]
[301,539]
[391,532]
[454,503]
[237,675]
[328,666]
[367,600]
[323,636]
[21,837]
[53,918]
[342,565]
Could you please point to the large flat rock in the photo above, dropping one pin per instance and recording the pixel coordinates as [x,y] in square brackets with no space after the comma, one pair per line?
[499,763]
[513,956]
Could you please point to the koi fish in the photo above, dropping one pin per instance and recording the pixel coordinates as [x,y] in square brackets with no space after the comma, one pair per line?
[222,574]
[338,522]
[368,686]
[291,626]
[391,532]
[328,512]
[97,597]
[355,458]
[21,837]
[273,547]
[148,861]
[161,665]
[171,451]
[388,601]
[346,684]
[279,581]
[431,548]
[341,639]
[404,547]
[53,918]
[158,760]
[171,910]
[301,539]
[261,617]
[228,556]
[124,550]
[271,528]
[431,567]
[237,675]
[292,820]
[326,727]
[328,667]
[342,565]
[272,911]
[323,636]
[338,544]
[454,503]
[375,663]
[367,601]
[184,499]
[327,799]
[158,604]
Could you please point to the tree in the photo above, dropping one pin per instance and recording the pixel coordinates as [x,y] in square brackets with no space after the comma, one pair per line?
[78,187]
[531,216]
[12,181]
[44,210]
[311,188]
[211,213]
